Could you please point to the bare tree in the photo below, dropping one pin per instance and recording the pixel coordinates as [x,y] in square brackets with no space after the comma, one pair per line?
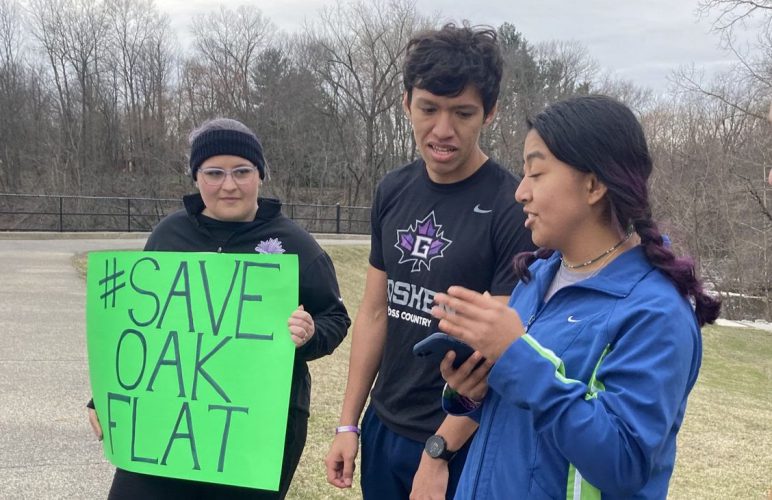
[729,15]
[227,43]
[517,98]
[566,68]
[735,130]
[72,33]
[140,56]
[640,99]
[358,52]
[298,135]
[11,93]
[534,76]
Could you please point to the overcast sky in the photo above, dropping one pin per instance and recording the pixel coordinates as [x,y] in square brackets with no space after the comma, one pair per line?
[642,40]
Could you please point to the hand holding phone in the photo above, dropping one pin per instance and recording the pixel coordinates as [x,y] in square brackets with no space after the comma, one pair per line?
[435,346]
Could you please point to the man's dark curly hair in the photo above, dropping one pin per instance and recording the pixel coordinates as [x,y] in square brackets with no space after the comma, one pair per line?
[446,61]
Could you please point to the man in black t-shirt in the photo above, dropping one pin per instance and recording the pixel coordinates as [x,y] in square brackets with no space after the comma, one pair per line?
[449,218]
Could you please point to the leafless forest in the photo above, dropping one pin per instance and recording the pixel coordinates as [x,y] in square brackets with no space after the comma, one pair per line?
[97,98]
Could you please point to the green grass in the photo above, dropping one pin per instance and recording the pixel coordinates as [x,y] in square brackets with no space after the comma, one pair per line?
[329,381]
[724,447]
[725,444]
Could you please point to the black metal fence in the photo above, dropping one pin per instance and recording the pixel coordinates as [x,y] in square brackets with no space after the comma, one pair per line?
[31,212]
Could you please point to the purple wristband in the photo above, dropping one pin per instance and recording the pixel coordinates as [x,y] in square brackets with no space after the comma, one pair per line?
[468,403]
[347,428]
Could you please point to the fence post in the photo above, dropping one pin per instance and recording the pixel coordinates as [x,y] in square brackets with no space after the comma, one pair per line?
[128,214]
[337,218]
[61,217]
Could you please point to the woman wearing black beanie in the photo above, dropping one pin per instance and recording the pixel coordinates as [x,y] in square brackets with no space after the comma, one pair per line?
[227,215]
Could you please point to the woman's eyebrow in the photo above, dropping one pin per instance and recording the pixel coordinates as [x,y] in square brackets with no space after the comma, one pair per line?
[534,154]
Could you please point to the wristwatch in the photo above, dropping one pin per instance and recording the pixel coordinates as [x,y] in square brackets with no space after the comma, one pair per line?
[437,447]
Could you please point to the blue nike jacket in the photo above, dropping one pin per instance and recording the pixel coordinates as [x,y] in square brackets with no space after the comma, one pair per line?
[587,404]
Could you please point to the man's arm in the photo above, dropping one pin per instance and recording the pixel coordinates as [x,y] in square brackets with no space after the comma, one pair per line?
[367,340]
[431,478]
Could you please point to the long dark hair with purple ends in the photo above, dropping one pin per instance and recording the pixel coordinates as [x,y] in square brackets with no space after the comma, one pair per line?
[601,135]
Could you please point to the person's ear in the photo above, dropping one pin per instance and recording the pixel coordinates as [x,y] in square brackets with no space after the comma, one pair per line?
[491,114]
[596,189]
[405,103]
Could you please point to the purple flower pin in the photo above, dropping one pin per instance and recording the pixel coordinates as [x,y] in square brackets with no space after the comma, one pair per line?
[271,245]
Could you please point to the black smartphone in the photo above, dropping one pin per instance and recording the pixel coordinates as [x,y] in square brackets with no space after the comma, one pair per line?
[435,346]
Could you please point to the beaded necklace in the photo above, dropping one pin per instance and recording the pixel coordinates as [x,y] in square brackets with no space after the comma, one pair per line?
[596,259]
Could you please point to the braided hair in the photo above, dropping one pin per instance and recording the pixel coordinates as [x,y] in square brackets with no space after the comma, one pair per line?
[600,135]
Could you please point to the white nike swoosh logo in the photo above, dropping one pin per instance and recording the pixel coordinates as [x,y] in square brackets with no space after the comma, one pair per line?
[571,319]
[479,210]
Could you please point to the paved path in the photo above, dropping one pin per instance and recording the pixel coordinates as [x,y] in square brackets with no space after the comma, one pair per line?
[47,449]
[46,446]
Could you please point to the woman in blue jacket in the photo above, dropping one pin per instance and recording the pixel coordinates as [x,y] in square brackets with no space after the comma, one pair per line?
[588,370]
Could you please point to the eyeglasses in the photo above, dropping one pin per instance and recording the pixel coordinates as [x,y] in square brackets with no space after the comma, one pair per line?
[215,176]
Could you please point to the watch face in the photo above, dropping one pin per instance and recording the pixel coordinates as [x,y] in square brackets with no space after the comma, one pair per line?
[435,446]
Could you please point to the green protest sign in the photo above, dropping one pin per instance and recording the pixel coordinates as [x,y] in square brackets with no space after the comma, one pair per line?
[191,362]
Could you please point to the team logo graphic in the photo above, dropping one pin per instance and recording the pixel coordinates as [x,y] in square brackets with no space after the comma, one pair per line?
[422,243]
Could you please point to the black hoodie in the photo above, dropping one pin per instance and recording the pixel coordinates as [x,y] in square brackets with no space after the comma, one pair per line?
[189,230]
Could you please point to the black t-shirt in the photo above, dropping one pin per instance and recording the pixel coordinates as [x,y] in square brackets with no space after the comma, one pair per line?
[427,237]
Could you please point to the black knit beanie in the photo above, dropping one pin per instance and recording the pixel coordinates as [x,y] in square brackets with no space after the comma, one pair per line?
[226,142]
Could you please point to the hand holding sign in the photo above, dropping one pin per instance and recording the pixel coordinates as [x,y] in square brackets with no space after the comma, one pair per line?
[301,326]
[93,420]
